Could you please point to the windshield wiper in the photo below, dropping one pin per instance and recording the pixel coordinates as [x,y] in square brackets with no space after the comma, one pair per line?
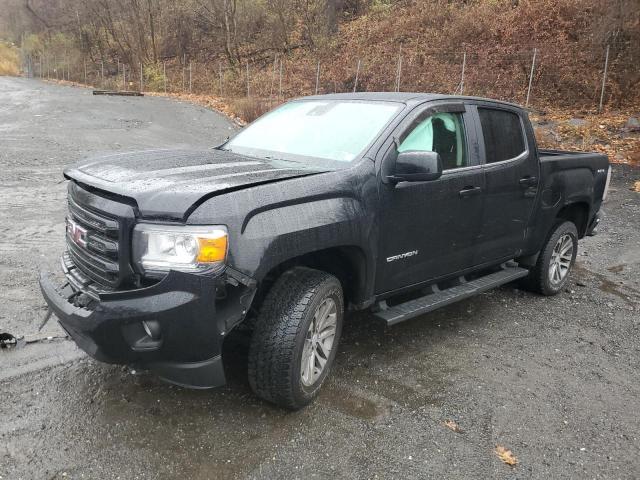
[278,159]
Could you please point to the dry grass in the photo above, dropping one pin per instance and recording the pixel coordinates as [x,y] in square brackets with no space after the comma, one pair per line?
[250,108]
[9,60]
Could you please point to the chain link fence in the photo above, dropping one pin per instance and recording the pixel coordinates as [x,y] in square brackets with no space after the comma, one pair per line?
[532,75]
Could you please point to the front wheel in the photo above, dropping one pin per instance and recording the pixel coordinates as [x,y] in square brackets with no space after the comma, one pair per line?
[296,336]
[556,259]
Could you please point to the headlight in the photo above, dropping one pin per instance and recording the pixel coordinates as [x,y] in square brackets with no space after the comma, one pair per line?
[160,248]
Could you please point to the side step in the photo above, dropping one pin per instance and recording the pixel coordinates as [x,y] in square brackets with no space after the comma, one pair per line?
[440,298]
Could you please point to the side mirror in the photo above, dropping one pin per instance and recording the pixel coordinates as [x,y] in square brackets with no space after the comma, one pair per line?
[416,166]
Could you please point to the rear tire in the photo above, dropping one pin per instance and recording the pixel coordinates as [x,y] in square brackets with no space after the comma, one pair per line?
[551,272]
[295,338]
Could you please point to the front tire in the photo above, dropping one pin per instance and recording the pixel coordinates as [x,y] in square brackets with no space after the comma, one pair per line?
[295,339]
[556,259]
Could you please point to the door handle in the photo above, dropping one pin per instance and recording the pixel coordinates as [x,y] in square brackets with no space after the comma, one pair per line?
[528,181]
[470,191]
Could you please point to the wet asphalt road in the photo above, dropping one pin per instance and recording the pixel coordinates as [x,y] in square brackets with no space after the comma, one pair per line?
[556,380]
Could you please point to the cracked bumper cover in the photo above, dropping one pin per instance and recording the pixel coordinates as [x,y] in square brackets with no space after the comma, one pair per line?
[191,325]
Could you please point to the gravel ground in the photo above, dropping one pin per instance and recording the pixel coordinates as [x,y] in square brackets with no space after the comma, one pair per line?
[553,379]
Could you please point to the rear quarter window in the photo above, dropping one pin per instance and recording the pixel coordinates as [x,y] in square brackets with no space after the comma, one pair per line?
[502,132]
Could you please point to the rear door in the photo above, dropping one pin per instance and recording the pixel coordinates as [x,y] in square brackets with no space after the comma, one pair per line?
[429,229]
[511,172]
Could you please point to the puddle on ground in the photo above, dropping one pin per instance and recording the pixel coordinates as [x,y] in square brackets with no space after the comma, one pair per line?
[353,404]
[632,298]
[616,268]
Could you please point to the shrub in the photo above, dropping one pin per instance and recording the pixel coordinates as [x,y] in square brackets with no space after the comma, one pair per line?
[248,109]
[9,59]
[153,78]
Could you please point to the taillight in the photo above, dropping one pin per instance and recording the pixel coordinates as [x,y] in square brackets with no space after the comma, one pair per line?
[606,185]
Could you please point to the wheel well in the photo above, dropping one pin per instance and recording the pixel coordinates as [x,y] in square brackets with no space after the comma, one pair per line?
[578,213]
[346,263]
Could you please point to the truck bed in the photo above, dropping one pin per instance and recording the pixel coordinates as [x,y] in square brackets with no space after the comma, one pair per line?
[564,160]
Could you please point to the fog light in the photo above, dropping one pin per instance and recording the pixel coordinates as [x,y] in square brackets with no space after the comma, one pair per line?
[151,328]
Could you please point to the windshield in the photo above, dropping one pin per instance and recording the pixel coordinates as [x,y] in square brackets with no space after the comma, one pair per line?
[311,130]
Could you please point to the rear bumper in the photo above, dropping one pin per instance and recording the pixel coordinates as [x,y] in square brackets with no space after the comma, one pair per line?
[172,327]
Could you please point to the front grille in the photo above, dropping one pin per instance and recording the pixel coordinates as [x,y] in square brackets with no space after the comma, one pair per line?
[97,255]
[97,236]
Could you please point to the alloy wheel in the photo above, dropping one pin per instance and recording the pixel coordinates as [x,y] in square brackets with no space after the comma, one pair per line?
[561,258]
[318,342]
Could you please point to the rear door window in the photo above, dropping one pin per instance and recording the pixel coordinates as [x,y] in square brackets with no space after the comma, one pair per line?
[502,132]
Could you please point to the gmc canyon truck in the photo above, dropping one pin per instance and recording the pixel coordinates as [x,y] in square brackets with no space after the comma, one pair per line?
[396,202]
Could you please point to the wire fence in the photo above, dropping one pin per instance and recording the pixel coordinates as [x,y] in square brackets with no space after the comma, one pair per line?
[527,76]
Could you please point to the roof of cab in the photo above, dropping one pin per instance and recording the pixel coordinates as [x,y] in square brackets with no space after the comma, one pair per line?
[404,97]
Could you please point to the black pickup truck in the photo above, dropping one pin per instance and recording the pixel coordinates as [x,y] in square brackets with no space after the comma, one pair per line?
[395,202]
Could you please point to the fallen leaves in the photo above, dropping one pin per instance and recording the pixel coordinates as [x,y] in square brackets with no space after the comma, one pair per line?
[606,133]
[506,456]
[636,186]
[453,426]
[208,101]
[503,453]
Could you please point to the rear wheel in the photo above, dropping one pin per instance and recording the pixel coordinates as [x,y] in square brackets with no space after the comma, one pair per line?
[556,259]
[295,338]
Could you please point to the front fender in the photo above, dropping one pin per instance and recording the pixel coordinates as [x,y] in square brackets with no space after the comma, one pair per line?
[276,235]
[270,224]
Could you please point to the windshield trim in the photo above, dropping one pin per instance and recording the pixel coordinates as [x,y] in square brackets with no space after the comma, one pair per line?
[362,154]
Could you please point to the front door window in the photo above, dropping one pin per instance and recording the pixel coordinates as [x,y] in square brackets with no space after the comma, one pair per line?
[442,133]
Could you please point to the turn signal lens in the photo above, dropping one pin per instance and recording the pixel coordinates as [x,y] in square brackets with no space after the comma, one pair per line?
[212,249]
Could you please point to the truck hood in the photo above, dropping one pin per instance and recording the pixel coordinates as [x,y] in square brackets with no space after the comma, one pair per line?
[167,183]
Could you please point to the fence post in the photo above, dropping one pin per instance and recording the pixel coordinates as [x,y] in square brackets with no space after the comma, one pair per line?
[164,75]
[102,74]
[184,71]
[533,68]
[280,83]
[464,66]
[84,61]
[317,76]
[247,78]
[190,76]
[141,78]
[604,79]
[399,70]
[220,77]
[273,78]
[124,77]
[355,84]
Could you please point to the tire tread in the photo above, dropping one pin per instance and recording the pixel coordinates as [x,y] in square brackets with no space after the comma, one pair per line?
[270,362]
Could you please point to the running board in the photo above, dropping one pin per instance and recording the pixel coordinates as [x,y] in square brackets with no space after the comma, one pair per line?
[440,298]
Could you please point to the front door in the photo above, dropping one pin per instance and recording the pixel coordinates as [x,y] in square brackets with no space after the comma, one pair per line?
[429,229]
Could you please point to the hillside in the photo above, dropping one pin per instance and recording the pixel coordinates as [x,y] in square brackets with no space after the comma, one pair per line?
[244,57]
[286,47]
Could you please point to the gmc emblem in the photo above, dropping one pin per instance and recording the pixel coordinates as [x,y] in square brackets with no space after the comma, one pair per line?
[77,233]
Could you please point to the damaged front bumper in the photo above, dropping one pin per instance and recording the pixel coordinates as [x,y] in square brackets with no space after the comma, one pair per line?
[175,327]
